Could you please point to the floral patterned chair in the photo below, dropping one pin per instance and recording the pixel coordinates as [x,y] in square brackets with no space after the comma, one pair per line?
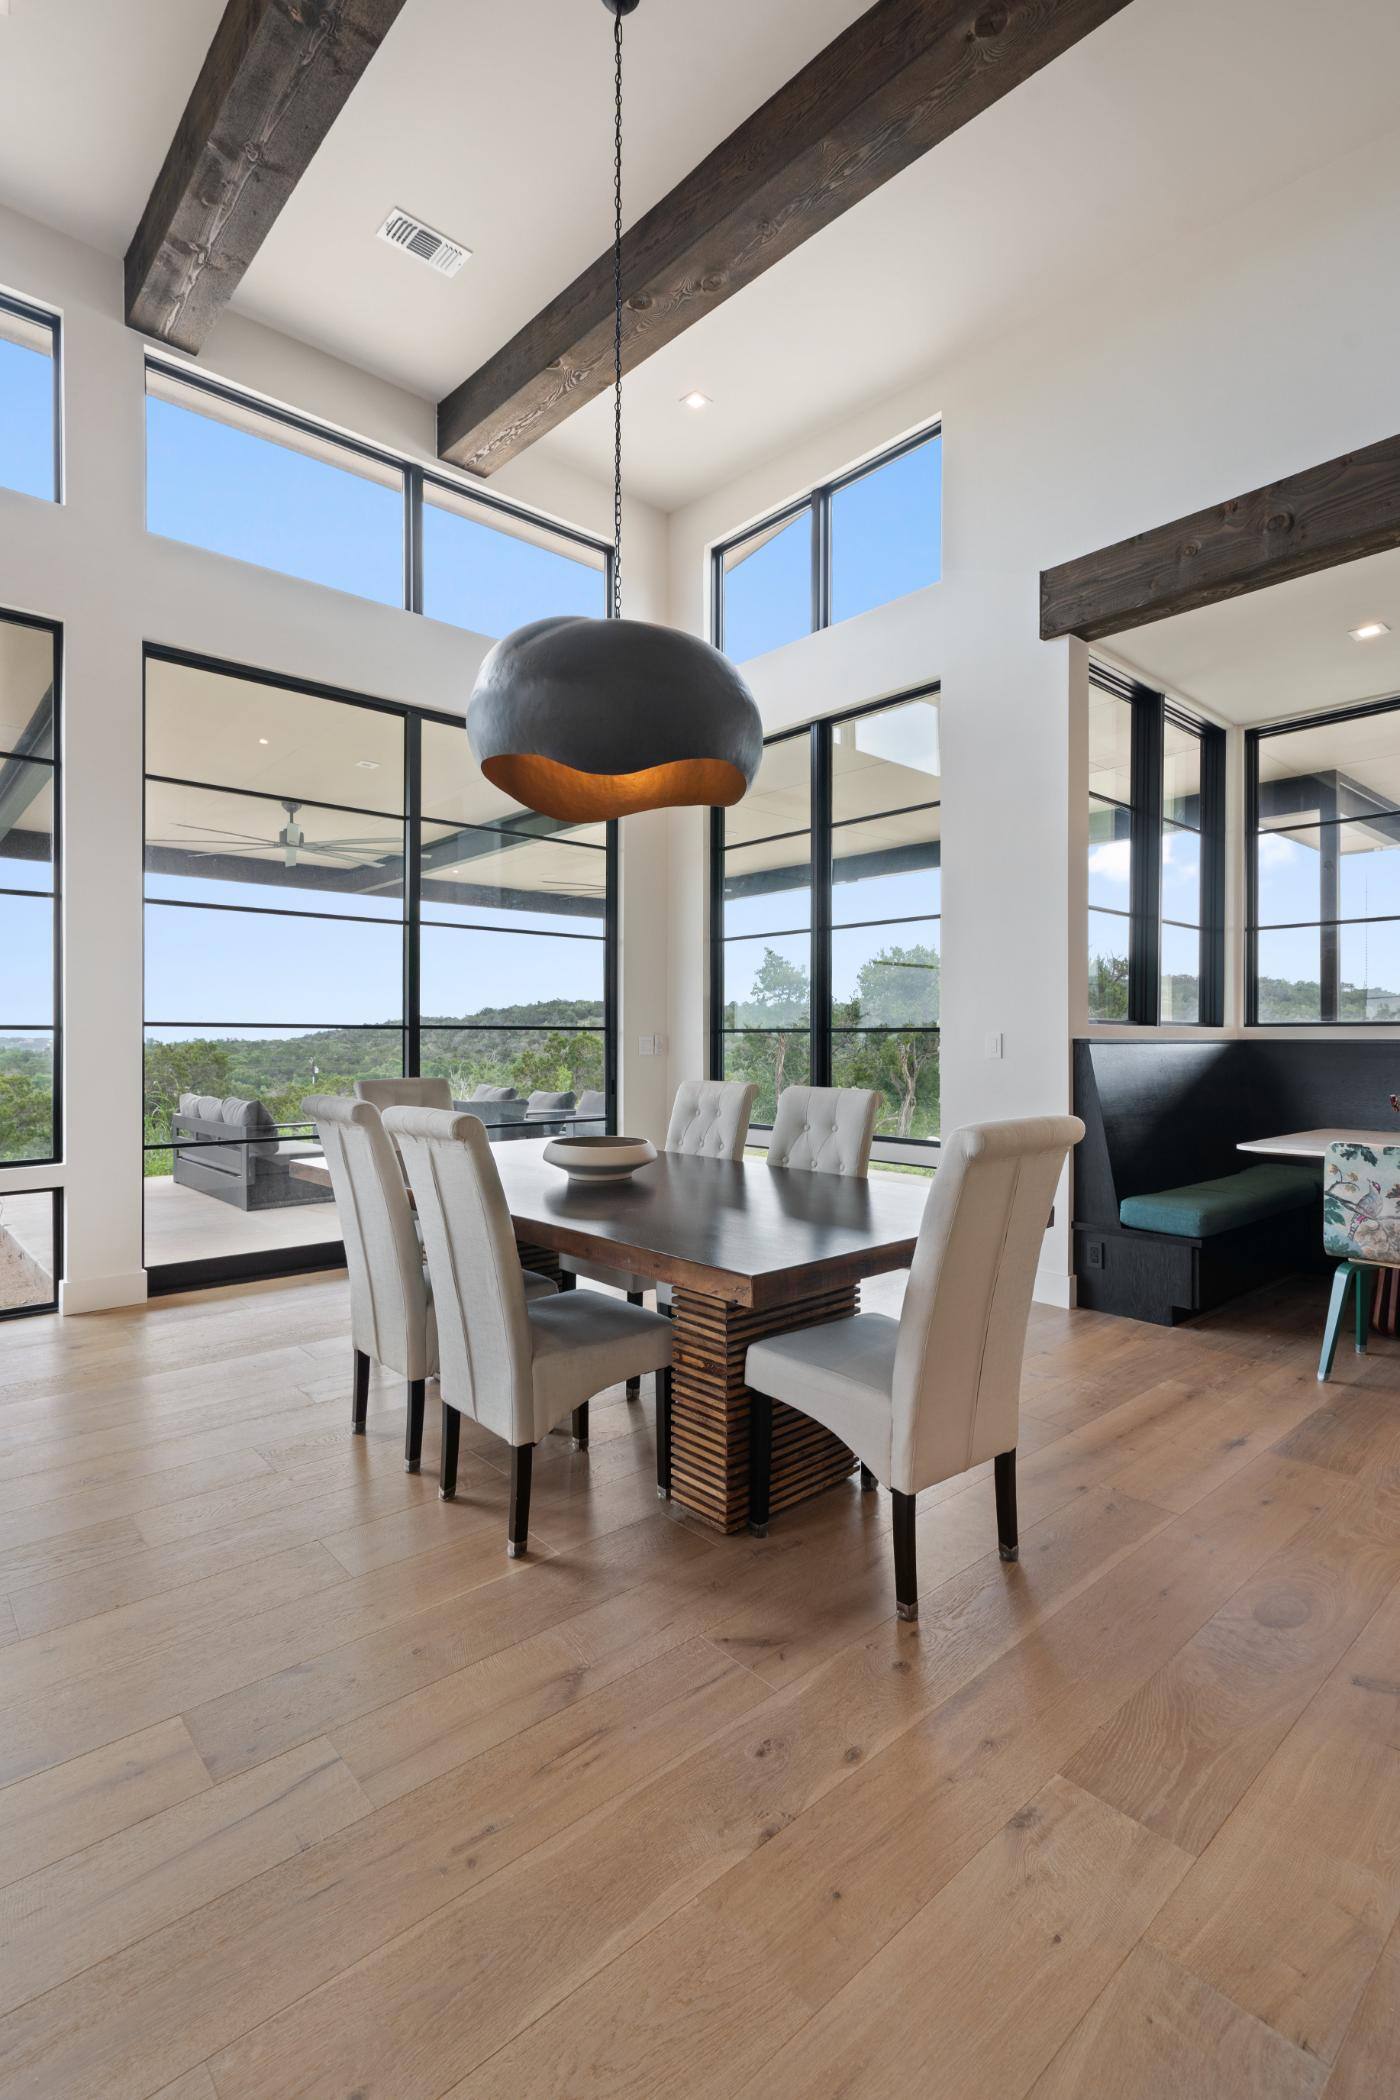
[1361,1226]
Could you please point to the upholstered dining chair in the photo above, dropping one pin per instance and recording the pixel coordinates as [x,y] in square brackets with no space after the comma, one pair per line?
[1361,1229]
[391,1300]
[517,1365]
[709,1118]
[829,1129]
[937,1391]
[404,1093]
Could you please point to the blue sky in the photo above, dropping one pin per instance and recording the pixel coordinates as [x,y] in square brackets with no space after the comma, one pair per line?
[26,420]
[886,539]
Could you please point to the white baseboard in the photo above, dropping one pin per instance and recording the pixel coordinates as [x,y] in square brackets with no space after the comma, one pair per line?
[88,1294]
[1053,1287]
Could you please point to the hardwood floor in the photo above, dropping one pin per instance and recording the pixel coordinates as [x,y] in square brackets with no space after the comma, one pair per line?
[306,1790]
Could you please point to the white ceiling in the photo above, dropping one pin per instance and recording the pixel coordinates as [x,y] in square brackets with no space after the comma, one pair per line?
[493,123]
[1278,652]
[90,94]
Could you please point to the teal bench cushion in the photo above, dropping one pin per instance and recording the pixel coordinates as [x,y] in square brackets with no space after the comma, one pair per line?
[1203,1208]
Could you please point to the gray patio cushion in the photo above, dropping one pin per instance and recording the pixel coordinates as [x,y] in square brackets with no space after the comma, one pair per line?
[492,1093]
[541,1103]
[208,1108]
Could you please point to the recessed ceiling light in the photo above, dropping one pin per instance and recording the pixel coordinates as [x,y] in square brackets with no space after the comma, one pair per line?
[367,765]
[262,739]
[1370,632]
[695,399]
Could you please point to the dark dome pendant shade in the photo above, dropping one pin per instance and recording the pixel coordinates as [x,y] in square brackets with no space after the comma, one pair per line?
[584,719]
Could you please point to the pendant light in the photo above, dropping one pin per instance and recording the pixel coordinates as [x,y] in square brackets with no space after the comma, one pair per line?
[586,719]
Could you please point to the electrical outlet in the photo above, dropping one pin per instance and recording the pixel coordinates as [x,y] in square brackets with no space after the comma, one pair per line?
[1093,1253]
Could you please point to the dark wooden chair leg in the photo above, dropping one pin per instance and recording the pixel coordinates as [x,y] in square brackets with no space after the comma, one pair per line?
[1340,1284]
[906,1570]
[868,1482]
[413,1433]
[663,1435]
[359,1394]
[580,1427]
[518,1522]
[760,1462]
[451,1433]
[1365,1292]
[634,1385]
[1008,1537]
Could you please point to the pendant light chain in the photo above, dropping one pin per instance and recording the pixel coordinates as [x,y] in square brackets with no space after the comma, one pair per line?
[617,317]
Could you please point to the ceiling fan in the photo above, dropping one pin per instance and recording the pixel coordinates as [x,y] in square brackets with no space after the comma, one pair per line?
[345,853]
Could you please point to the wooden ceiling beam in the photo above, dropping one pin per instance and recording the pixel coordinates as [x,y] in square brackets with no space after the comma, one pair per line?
[274,79]
[899,80]
[1341,511]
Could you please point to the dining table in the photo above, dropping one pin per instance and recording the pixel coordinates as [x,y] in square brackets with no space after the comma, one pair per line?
[1312,1144]
[749,1251]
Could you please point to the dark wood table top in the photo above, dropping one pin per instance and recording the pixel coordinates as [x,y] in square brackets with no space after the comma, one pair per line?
[743,1231]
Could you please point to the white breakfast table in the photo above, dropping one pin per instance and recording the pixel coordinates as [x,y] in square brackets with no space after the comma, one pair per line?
[1312,1144]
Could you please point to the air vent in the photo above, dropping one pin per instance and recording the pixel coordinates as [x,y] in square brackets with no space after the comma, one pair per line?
[402,230]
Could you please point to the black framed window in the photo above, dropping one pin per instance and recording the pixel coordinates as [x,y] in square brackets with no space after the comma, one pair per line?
[31,1249]
[239,477]
[855,543]
[1156,858]
[30,977]
[1324,868]
[826,914]
[334,892]
[31,395]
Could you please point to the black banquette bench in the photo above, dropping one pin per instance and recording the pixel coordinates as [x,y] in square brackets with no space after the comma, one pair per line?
[1170,1218]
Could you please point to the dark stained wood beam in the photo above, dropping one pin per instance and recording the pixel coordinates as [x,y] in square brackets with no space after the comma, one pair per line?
[1338,512]
[275,78]
[902,78]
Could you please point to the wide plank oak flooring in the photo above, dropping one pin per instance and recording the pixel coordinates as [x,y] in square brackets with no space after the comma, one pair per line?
[305,1790]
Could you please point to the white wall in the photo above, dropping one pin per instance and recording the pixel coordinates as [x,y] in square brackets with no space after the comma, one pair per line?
[1259,346]
[90,564]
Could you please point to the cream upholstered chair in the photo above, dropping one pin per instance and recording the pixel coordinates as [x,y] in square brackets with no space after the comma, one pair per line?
[826,1128]
[404,1093]
[709,1118]
[516,1365]
[391,1300]
[936,1391]
[391,1307]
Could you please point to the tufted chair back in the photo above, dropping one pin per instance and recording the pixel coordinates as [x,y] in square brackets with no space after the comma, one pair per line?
[404,1093]
[389,1301]
[710,1117]
[827,1128]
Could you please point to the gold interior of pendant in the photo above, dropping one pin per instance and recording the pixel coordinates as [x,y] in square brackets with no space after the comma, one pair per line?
[579,798]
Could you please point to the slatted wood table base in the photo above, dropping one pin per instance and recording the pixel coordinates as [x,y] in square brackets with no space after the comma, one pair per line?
[543,1260]
[710,1408]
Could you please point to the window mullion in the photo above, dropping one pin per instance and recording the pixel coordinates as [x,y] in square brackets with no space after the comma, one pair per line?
[820,1001]
[1145,931]
[413,896]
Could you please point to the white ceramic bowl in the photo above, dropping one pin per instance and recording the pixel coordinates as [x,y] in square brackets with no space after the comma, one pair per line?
[600,1158]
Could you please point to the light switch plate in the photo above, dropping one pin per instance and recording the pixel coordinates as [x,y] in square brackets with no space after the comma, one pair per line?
[995,1045]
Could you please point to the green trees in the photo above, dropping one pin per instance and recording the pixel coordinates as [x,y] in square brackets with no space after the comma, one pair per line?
[774,1053]
[26,1115]
[897,994]
[897,991]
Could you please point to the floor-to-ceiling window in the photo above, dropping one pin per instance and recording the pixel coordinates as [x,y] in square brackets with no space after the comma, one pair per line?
[825,952]
[30,1060]
[334,893]
[1156,924]
[1324,872]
